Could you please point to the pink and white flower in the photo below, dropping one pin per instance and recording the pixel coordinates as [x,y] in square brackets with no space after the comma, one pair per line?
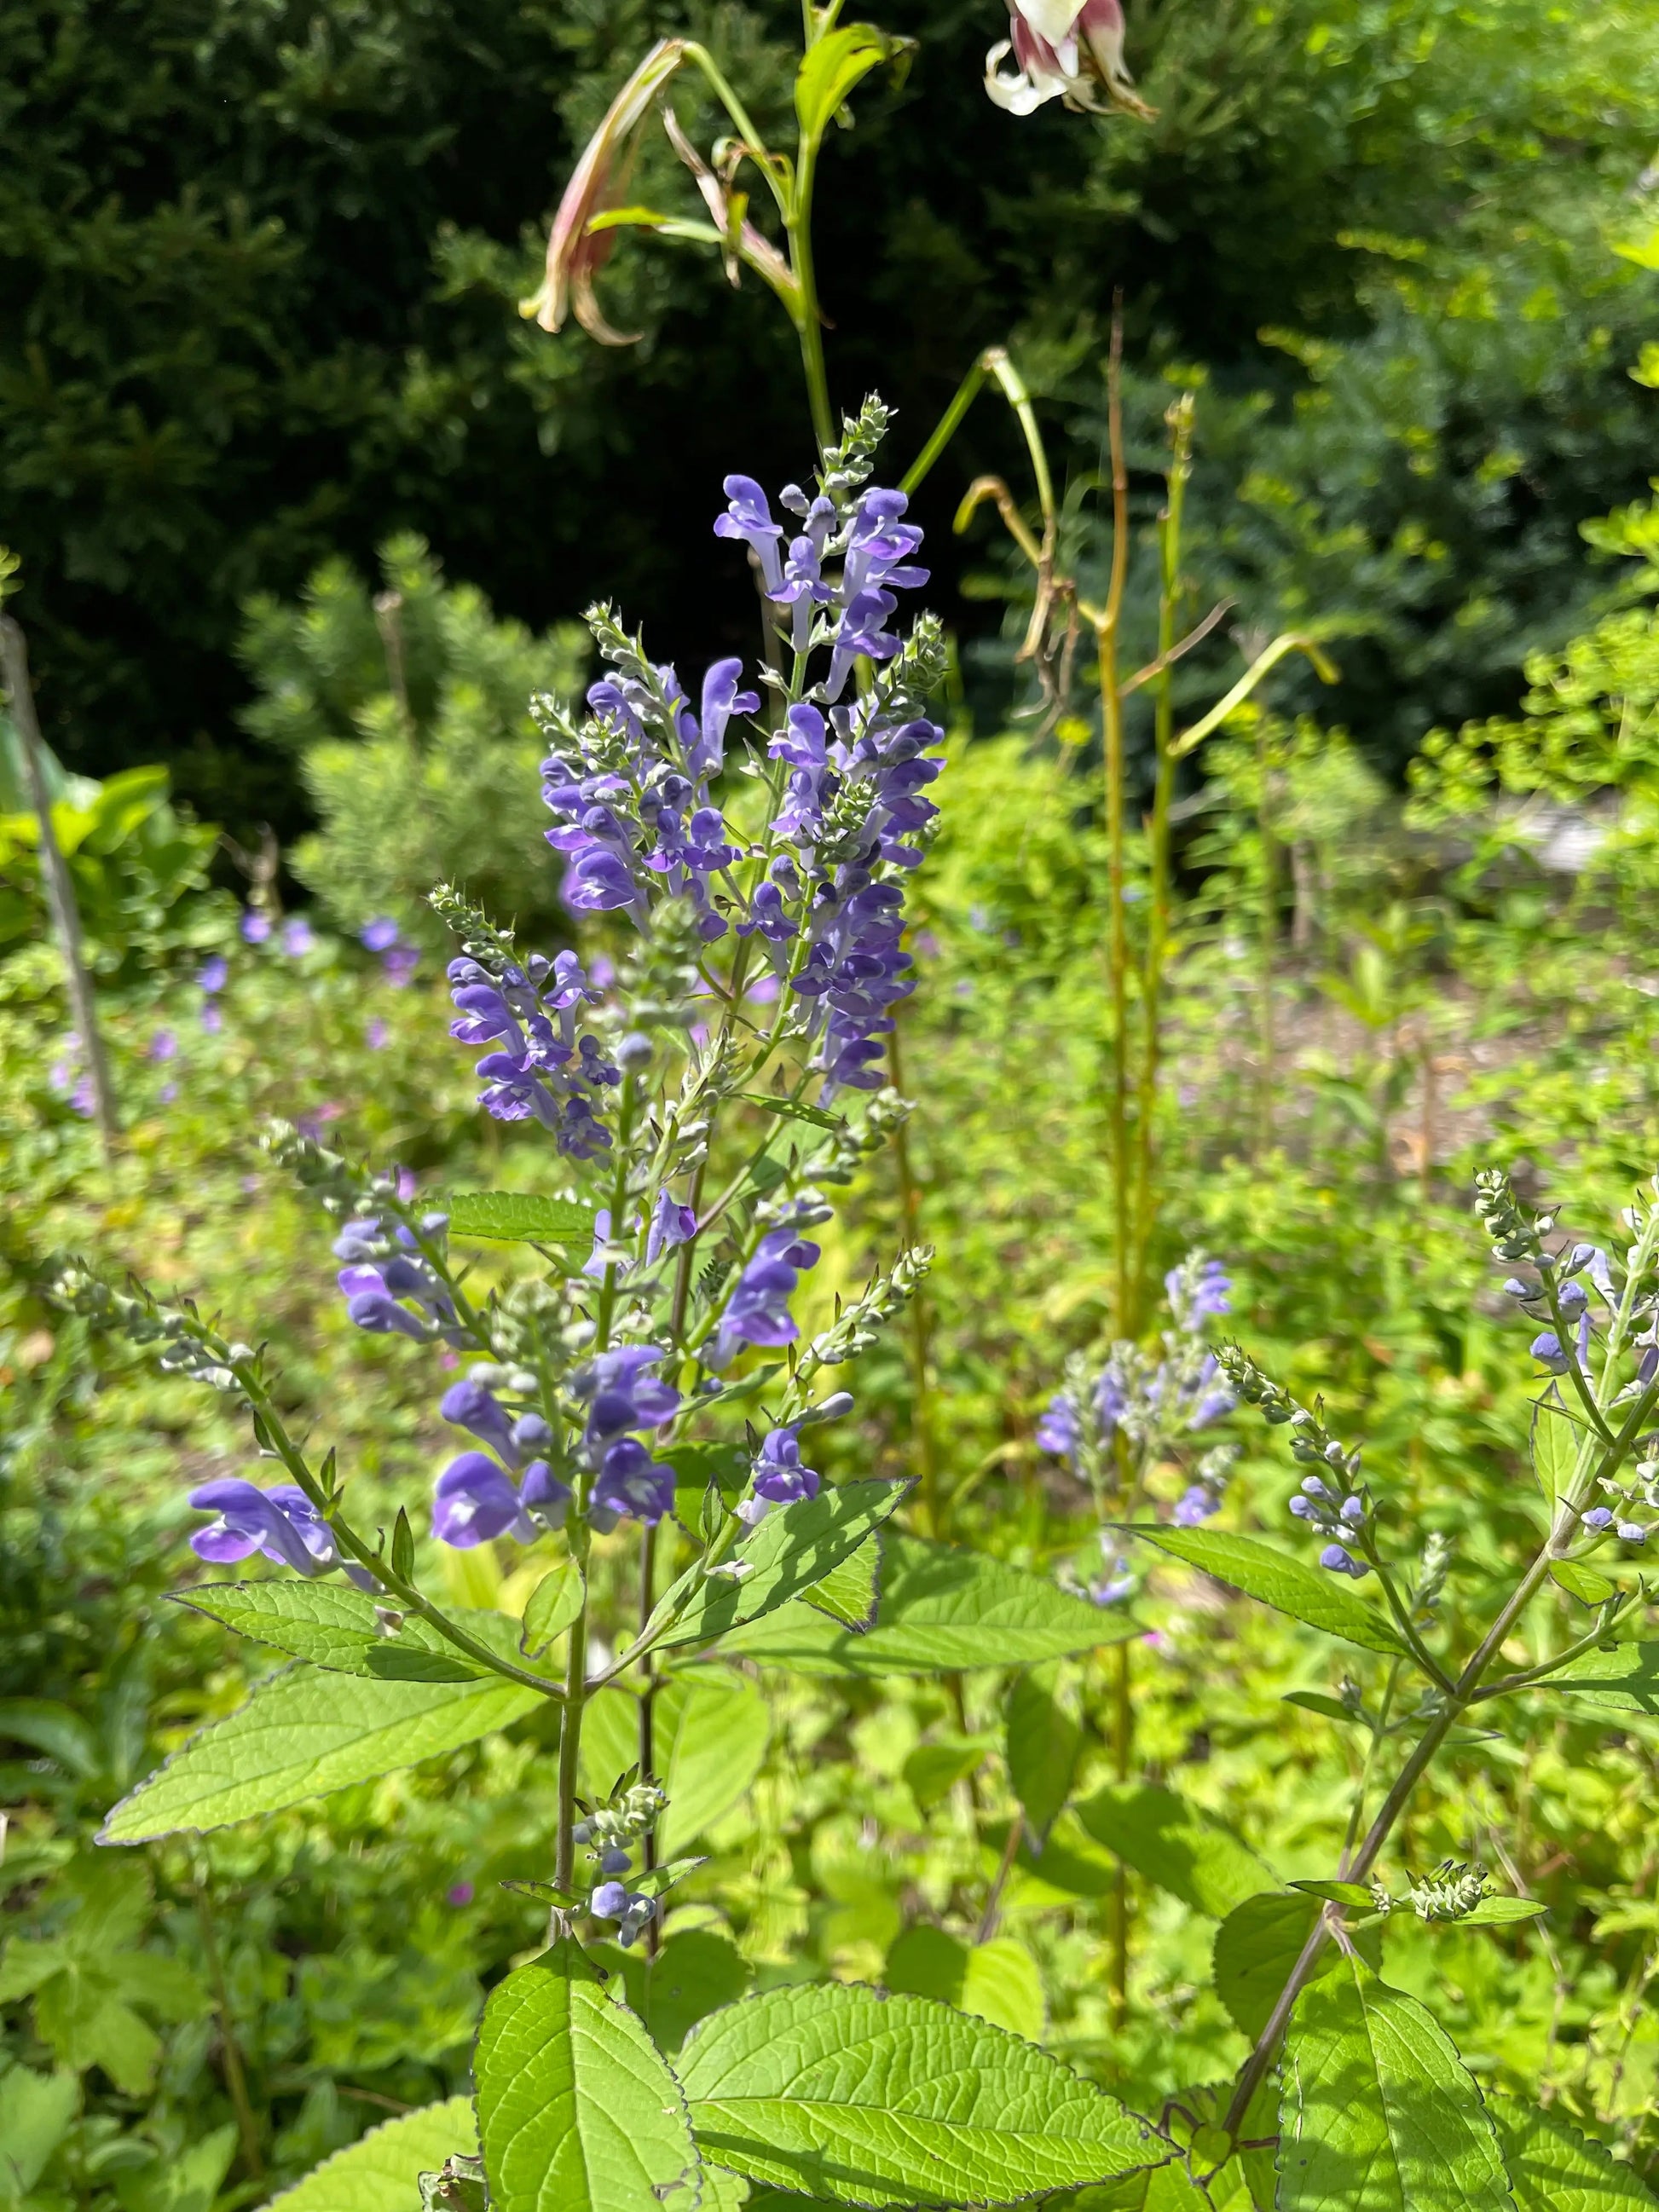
[1069,49]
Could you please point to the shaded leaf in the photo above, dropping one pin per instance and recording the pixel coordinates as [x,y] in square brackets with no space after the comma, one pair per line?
[792,1549]
[1619,1678]
[1554,2168]
[1257,1945]
[554,1604]
[1041,1744]
[849,1593]
[1175,1845]
[507,1217]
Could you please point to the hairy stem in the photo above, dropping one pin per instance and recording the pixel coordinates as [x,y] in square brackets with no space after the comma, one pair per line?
[570,1739]
[1127,1315]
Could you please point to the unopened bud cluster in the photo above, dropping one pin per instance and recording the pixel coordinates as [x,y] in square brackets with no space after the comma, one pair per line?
[1450,1892]
[610,1833]
[1335,1502]
[188,1348]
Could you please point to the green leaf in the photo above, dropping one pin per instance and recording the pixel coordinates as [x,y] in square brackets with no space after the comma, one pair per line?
[795,1110]
[79,2017]
[1257,1945]
[1175,1845]
[932,1770]
[330,1624]
[1582,1583]
[1307,1594]
[301,1734]
[835,66]
[837,2092]
[577,2108]
[791,1550]
[394,1661]
[695,1973]
[554,1604]
[713,1736]
[997,1980]
[849,1593]
[55,1729]
[504,1217]
[1501,1912]
[941,1610]
[1555,1439]
[1378,2109]
[1043,1739]
[1554,2168]
[1316,1701]
[1620,1677]
[35,2112]
[1351,1894]
[382,2173]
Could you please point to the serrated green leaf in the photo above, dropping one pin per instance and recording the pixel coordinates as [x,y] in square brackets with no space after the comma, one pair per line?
[792,1549]
[1307,1594]
[1621,1678]
[394,1660]
[1582,1583]
[1257,1945]
[301,1734]
[1175,1845]
[835,66]
[330,1624]
[1043,1740]
[1378,2109]
[554,1604]
[382,2173]
[1554,2168]
[714,1735]
[849,1593]
[577,2108]
[794,1109]
[504,1217]
[1555,1440]
[837,2092]
[940,1610]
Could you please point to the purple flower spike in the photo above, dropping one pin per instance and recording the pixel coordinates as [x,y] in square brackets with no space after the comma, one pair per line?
[297,937]
[281,1522]
[670,1224]
[748,517]
[475,1501]
[381,934]
[622,1394]
[214,974]
[629,1482]
[255,927]
[757,1311]
[543,1494]
[470,1405]
[1059,1430]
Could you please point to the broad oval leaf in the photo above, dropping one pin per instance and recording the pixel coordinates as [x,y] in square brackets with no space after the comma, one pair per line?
[1175,1844]
[710,1736]
[1554,2168]
[577,2108]
[333,1627]
[554,1604]
[1043,1739]
[382,2173]
[940,1610]
[301,1734]
[1307,1594]
[840,2093]
[510,1217]
[791,1550]
[1620,1677]
[1258,1944]
[1378,2110]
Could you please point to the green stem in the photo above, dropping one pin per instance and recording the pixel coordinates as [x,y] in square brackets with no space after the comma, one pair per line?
[1126,1316]
[949,423]
[1379,1730]
[1123,1723]
[797,222]
[922,1442]
[570,1738]
[648,1713]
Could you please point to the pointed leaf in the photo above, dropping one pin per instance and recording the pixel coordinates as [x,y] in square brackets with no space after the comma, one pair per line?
[1043,1739]
[837,2092]
[940,1610]
[835,66]
[554,1604]
[1257,1945]
[577,2108]
[1378,2110]
[1351,1894]
[1555,1441]
[792,1549]
[381,2172]
[1554,2168]
[1175,1844]
[301,1734]
[507,1217]
[1619,1678]
[849,1593]
[35,2112]
[1307,1594]
[1501,1912]
[1582,1583]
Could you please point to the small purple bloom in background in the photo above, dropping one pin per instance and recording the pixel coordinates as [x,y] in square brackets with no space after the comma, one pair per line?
[400,964]
[164,1045]
[82,1097]
[297,937]
[381,934]
[375,1034]
[1198,1289]
[406,1185]
[256,927]
[168,1093]
[458,1894]
[1341,1561]
[213,1019]
[1058,1429]
[214,974]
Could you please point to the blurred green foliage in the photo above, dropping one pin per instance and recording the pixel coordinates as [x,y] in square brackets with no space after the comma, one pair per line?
[259,267]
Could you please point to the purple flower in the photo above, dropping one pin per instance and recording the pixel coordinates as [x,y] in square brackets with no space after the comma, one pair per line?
[1059,1430]
[255,925]
[1599,1517]
[375,1034]
[381,934]
[1341,1561]
[630,1482]
[458,1894]
[1198,1289]
[386,1271]
[1194,1505]
[212,1019]
[705,753]
[164,1045]
[780,1478]
[470,1406]
[539,1066]
[748,517]
[670,1224]
[281,1522]
[476,1500]
[757,1310]
[399,964]
[621,1393]
[214,974]
[542,1494]
[297,937]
